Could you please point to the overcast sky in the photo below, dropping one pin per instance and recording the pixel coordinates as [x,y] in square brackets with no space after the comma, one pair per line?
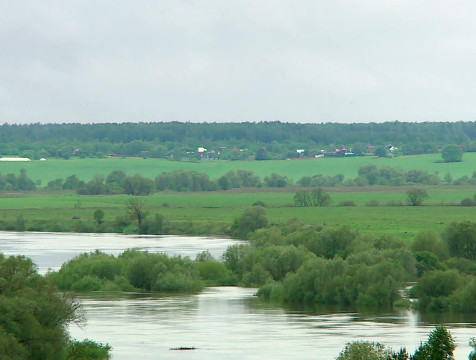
[220,61]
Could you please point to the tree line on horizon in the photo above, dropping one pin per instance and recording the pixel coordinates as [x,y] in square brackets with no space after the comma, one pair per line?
[228,141]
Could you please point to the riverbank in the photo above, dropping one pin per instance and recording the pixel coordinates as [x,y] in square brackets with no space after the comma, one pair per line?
[210,213]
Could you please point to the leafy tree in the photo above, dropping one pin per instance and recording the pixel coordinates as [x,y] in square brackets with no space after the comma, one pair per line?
[33,316]
[98,216]
[276,180]
[302,198]
[261,154]
[452,153]
[415,197]
[95,186]
[154,225]
[448,178]
[358,148]
[137,185]
[430,242]
[461,239]
[315,197]
[114,180]
[380,151]
[434,289]
[365,350]
[369,172]
[224,183]
[183,180]
[319,197]
[440,346]
[250,220]
[71,182]
[55,185]
[24,182]
[463,299]
[20,223]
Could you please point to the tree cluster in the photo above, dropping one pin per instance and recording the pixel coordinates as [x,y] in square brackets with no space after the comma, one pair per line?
[34,317]
[314,197]
[135,270]
[21,182]
[440,345]
[313,265]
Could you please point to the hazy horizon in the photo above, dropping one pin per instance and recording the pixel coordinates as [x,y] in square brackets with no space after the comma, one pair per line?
[211,61]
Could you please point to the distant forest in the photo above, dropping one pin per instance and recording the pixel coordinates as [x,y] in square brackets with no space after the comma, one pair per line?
[229,141]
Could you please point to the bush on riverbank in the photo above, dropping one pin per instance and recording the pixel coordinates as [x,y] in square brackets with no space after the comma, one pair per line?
[87,350]
[339,266]
[300,264]
[135,270]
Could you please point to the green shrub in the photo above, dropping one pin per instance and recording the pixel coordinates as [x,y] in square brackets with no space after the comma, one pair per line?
[215,273]
[461,239]
[464,298]
[394,203]
[87,350]
[347,203]
[364,350]
[434,289]
[271,291]
[87,283]
[373,203]
[467,202]
[251,219]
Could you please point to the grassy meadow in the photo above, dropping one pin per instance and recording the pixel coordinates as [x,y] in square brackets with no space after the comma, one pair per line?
[213,212]
[86,168]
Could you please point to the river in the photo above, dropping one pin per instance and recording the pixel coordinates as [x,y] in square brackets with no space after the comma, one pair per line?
[220,322]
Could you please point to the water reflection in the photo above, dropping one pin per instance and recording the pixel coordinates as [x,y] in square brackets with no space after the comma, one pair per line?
[231,323]
[222,323]
[51,250]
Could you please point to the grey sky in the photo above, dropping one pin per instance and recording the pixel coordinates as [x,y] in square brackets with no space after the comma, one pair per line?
[217,61]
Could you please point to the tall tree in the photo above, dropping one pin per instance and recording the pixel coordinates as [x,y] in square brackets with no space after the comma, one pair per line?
[136,209]
[452,153]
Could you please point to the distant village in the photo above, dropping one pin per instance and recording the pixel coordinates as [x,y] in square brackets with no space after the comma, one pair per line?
[203,153]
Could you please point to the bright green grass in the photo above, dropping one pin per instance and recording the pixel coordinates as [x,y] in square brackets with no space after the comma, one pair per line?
[220,208]
[85,169]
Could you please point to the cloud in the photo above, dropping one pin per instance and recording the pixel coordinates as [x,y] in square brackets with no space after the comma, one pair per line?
[307,61]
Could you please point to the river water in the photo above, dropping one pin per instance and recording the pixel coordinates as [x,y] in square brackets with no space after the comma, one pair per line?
[220,322]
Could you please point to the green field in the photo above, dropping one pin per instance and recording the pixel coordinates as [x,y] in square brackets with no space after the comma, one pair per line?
[220,208]
[213,212]
[85,169]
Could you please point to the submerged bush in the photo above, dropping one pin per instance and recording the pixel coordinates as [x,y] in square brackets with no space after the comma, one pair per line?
[132,270]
